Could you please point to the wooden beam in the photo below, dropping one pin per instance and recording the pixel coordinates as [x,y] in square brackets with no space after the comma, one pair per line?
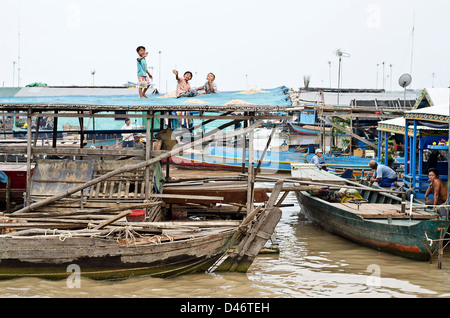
[348,132]
[68,151]
[128,168]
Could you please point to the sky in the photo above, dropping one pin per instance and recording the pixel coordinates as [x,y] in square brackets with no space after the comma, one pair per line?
[245,43]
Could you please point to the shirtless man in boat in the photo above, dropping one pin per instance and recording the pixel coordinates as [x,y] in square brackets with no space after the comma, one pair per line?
[437,188]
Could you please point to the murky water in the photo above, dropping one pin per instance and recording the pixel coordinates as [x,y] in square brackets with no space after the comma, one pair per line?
[311,263]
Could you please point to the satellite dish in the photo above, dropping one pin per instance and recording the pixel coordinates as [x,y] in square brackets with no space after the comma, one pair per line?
[405,80]
[93,71]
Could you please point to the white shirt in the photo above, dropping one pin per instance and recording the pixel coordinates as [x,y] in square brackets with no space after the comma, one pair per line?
[127,137]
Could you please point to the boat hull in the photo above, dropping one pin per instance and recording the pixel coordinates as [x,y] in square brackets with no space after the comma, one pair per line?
[223,158]
[309,130]
[406,238]
[98,258]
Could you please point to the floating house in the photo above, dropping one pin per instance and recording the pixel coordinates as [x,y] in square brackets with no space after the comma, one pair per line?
[426,145]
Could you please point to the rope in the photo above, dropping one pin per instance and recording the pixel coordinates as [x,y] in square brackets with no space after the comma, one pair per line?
[63,236]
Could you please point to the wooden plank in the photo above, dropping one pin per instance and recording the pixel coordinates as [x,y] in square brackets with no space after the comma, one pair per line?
[113,219]
[314,174]
[383,211]
[348,132]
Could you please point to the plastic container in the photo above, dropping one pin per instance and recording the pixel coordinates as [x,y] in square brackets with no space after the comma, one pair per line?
[136,216]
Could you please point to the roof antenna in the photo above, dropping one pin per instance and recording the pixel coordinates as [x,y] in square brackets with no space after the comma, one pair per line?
[340,54]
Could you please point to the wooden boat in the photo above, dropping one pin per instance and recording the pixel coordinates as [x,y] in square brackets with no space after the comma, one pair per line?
[75,212]
[230,158]
[115,255]
[90,232]
[17,173]
[371,217]
[309,130]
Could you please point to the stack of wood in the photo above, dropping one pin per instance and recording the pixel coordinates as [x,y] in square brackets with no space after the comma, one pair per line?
[210,198]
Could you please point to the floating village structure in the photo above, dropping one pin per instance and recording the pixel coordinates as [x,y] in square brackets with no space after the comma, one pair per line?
[426,145]
[116,213]
[324,108]
[81,203]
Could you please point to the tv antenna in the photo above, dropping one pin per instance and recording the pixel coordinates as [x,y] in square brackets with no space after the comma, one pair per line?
[404,81]
[93,74]
[339,53]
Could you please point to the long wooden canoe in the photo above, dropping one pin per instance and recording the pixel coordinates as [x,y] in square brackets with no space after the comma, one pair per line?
[376,220]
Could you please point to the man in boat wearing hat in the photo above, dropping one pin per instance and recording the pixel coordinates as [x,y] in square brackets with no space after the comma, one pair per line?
[382,174]
[318,161]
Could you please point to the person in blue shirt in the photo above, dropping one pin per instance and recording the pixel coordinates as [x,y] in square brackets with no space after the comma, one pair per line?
[382,174]
[318,161]
[143,74]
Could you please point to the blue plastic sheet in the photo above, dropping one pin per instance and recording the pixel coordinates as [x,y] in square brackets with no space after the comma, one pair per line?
[269,97]
[3,177]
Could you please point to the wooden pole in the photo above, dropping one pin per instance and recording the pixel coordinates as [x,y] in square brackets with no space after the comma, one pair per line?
[169,126]
[147,156]
[27,193]
[128,168]
[8,195]
[350,133]
[55,129]
[251,175]
[244,146]
[81,120]
[36,133]
[265,150]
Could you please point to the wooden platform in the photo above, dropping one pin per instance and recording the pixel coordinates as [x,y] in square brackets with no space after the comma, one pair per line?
[383,211]
[309,172]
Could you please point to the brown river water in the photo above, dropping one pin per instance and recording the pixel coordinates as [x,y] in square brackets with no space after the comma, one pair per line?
[311,264]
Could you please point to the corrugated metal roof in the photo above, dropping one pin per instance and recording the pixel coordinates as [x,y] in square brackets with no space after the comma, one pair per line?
[330,98]
[439,96]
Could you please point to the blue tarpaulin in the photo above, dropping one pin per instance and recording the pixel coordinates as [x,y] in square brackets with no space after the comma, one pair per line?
[3,177]
[264,97]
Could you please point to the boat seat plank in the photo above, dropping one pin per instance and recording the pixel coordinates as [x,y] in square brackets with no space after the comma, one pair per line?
[383,211]
[308,172]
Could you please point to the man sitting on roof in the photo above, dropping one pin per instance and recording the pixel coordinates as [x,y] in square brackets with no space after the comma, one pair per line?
[318,161]
[382,174]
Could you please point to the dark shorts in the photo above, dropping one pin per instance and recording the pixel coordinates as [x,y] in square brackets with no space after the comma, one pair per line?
[189,94]
[386,182]
[431,202]
[128,144]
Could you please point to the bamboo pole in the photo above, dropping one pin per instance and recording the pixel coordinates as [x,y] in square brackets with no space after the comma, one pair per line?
[148,148]
[251,175]
[128,168]
[27,195]
[265,150]
[335,186]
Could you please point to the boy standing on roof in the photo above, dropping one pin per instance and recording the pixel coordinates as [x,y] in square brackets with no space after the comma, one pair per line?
[143,74]
[210,86]
[183,86]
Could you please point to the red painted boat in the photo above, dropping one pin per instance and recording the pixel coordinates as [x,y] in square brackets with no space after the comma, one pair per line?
[17,172]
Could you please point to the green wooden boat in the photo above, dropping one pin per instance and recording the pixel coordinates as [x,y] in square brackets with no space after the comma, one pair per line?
[374,218]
